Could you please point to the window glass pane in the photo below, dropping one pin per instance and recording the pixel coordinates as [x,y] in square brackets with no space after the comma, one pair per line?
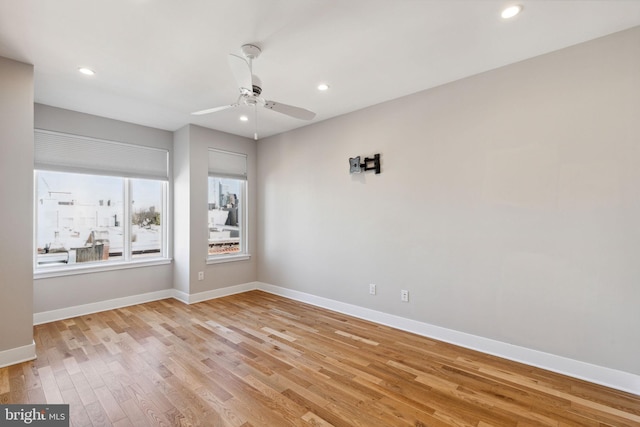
[146,218]
[79,218]
[225,215]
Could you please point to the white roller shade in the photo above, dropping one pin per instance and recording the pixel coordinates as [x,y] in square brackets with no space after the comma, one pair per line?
[73,153]
[227,164]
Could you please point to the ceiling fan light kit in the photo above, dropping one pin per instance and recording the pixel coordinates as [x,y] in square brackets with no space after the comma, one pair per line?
[511,11]
[250,88]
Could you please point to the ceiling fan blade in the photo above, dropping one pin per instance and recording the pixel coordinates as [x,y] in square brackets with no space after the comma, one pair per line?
[241,71]
[290,110]
[213,110]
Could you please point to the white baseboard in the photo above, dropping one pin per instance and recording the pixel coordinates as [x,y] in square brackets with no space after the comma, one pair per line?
[81,310]
[18,355]
[619,380]
[215,293]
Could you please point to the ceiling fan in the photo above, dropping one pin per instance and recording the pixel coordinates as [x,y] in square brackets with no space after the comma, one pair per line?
[251,87]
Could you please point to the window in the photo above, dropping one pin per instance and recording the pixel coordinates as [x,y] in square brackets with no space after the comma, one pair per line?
[147,230]
[98,202]
[227,204]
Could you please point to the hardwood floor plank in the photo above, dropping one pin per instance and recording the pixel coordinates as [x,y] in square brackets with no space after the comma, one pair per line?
[291,408]
[77,412]
[224,413]
[185,393]
[124,423]
[4,381]
[310,402]
[49,385]
[314,420]
[34,395]
[256,359]
[18,389]
[84,389]
[109,404]
[153,415]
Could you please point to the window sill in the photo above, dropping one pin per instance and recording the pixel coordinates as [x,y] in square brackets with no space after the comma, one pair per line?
[45,273]
[218,259]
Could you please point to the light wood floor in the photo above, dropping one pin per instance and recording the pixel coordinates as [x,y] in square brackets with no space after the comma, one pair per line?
[256,359]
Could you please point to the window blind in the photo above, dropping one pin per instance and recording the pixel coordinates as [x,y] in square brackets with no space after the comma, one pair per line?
[72,153]
[227,164]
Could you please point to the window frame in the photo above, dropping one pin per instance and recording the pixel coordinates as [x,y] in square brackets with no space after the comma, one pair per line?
[237,171]
[128,259]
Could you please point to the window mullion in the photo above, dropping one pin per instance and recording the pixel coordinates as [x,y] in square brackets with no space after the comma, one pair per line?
[243,218]
[126,227]
[164,218]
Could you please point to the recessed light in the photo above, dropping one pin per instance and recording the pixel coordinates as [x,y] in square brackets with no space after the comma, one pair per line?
[323,87]
[511,11]
[86,71]
[244,118]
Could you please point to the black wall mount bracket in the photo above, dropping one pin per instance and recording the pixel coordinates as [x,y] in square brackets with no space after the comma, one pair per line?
[370,163]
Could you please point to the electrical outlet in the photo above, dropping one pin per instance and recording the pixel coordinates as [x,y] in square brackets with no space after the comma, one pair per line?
[404,296]
[372,289]
[200,275]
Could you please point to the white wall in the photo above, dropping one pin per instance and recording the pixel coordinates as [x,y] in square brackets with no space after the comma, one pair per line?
[191,187]
[181,209]
[508,205]
[68,291]
[16,194]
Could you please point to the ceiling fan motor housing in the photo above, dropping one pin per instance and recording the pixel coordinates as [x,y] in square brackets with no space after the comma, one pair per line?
[250,87]
[257,85]
[251,51]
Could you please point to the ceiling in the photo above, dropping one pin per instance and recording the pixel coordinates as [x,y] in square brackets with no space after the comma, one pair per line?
[156,61]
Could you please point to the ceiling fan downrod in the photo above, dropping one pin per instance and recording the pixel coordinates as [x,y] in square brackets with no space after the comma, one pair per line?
[255,133]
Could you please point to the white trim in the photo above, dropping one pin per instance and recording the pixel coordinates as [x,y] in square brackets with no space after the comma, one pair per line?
[183,297]
[88,268]
[95,307]
[216,293]
[18,355]
[608,377]
[219,259]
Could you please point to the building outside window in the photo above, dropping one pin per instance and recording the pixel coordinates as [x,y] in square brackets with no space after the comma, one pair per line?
[98,202]
[147,218]
[227,185]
